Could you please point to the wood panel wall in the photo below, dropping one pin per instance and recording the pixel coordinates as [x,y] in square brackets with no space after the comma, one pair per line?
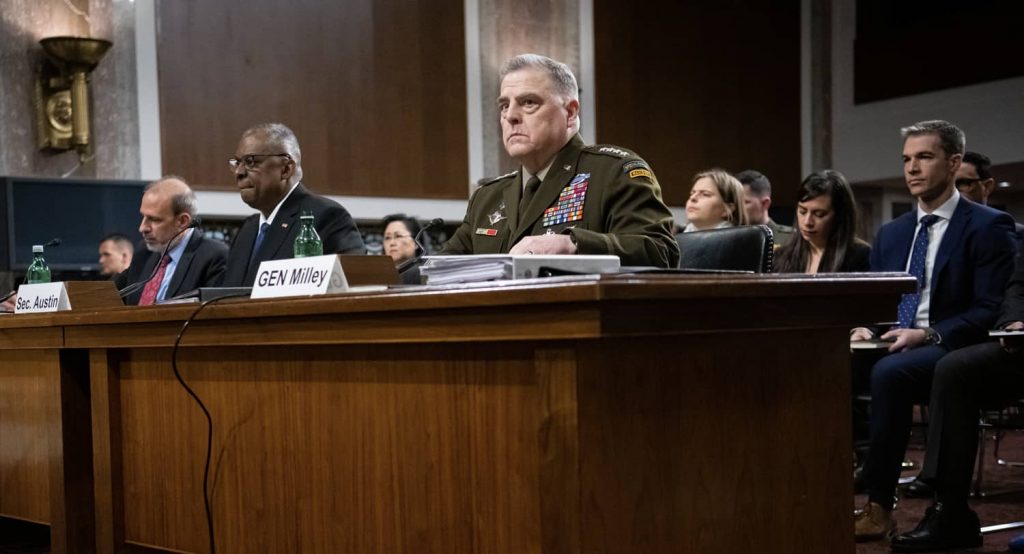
[375,90]
[691,85]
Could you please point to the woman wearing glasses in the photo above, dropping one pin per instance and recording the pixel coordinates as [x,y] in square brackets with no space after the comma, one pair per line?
[400,231]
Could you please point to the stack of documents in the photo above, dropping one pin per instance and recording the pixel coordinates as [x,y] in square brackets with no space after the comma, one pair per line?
[443,270]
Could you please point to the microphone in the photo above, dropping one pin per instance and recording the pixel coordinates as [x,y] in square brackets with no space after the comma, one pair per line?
[53,242]
[419,246]
[139,284]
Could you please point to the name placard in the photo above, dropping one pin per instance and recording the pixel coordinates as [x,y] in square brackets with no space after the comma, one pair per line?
[42,297]
[311,276]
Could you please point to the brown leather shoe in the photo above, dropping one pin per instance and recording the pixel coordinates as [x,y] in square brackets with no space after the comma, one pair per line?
[873,523]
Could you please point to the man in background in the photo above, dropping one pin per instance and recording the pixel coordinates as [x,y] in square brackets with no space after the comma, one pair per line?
[967,380]
[757,198]
[962,256]
[975,183]
[115,254]
[974,178]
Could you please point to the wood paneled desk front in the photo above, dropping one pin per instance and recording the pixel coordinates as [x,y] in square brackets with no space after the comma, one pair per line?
[598,414]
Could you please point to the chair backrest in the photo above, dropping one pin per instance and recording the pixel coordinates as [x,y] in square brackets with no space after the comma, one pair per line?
[746,248]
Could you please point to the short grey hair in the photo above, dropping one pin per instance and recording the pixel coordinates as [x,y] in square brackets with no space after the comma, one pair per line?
[561,75]
[950,136]
[181,203]
[284,139]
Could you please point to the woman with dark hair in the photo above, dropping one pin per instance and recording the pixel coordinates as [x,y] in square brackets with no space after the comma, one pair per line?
[826,240]
[400,233]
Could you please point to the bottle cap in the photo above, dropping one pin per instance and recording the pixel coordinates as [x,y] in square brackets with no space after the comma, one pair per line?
[37,248]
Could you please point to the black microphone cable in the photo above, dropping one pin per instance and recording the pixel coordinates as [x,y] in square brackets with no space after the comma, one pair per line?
[139,284]
[419,246]
[206,412]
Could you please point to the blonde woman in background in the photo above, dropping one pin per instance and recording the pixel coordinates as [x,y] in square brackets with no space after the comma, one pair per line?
[716,201]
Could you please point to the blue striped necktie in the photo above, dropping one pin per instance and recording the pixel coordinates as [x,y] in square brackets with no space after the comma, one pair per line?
[918,255]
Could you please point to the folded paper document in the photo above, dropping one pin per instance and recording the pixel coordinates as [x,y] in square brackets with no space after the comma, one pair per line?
[441,270]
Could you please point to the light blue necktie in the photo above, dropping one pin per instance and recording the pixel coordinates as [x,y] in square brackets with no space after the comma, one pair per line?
[909,302]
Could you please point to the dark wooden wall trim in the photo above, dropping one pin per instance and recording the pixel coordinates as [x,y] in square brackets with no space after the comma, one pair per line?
[374,89]
[691,85]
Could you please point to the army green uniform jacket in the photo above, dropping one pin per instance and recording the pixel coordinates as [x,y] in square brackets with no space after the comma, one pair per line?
[781,234]
[607,198]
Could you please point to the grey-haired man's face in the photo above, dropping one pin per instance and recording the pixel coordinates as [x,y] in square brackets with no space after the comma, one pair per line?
[536,122]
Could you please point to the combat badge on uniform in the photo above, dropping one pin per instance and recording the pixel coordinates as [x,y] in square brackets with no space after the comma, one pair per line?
[569,206]
[497,215]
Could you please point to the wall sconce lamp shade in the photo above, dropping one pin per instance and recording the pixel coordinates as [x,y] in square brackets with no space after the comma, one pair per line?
[62,92]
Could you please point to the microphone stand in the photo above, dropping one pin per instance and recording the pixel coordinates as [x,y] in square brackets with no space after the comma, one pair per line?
[408,264]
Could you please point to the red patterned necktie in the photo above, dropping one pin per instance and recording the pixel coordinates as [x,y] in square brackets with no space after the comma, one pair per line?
[153,285]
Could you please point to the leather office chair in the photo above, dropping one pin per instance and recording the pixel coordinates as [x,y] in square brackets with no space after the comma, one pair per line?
[746,248]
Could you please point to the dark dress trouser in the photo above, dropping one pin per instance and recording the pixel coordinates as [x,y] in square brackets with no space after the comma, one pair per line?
[965,381]
[898,381]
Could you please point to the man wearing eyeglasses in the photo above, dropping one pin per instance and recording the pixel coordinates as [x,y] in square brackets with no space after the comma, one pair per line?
[974,178]
[567,197]
[268,170]
[974,181]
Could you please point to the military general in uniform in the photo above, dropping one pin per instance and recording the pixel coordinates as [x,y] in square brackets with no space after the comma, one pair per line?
[567,197]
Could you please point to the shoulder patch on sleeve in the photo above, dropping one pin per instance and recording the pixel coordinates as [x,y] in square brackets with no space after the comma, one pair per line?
[635,164]
[638,169]
[489,180]
[638,173]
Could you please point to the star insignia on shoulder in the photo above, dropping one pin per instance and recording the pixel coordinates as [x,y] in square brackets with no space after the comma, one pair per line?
[489,180]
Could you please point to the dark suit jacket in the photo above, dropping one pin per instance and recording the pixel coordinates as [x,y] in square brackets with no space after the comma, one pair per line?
[201,265]
[332,222]
[1013,304]
[858,257]
[972,266]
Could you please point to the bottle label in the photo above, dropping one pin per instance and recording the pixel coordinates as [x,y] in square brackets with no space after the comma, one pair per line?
[41,298]
[310,276]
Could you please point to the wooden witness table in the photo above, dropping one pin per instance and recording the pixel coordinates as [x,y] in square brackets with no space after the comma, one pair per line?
[597,414]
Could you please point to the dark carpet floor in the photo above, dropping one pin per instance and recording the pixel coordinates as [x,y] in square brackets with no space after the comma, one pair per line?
[1003,503]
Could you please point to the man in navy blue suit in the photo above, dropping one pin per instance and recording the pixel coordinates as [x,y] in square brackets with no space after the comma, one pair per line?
[962,255]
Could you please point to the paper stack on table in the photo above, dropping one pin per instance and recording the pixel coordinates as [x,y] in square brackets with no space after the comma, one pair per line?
[442,270]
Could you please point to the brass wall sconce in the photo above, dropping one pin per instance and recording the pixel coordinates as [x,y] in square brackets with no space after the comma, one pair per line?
[62,93]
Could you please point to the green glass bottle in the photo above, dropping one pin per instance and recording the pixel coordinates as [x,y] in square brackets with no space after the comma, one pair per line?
[308,243]
[38,271]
